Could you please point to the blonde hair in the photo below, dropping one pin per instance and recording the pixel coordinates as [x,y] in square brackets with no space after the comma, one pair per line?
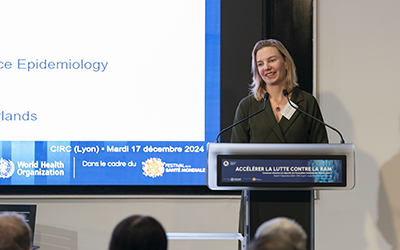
[258,87]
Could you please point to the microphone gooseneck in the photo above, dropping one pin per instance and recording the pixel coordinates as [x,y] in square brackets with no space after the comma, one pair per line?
[266,95]
[286,94]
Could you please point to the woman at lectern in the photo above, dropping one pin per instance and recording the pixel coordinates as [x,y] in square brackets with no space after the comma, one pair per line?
[273,72]
[274,82]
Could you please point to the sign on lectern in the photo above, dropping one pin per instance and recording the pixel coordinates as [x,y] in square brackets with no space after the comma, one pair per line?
[252,166]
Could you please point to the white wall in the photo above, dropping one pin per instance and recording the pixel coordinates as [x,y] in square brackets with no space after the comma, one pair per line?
[86,223]
[358,53]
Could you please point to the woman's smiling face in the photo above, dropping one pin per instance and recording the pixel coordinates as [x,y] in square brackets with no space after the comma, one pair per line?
[271,66]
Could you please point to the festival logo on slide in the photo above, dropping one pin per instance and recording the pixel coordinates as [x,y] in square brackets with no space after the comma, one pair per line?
[7,168]
[153,167]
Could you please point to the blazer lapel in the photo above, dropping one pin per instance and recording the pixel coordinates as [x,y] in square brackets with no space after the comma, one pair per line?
[269,118]
[285,123]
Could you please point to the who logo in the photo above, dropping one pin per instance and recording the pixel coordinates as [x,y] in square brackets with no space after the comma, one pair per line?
[7,168]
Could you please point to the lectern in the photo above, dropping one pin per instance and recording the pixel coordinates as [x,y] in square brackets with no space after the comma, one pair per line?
[281,177]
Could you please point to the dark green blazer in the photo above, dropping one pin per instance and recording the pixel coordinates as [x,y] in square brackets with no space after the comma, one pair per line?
[263,128]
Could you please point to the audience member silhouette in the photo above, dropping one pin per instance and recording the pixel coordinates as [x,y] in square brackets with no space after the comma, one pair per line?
[15,233]
[271,242]
[286,229]
[138,232]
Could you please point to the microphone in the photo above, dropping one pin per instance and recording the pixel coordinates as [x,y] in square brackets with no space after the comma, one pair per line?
[286,94]
[266,95]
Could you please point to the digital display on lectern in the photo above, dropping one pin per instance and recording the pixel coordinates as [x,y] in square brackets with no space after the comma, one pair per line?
[287,171]
[108,92]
